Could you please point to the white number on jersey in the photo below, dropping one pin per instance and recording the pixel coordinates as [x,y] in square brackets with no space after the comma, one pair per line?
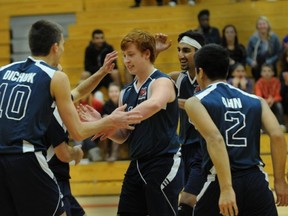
[17,103]
[232,134]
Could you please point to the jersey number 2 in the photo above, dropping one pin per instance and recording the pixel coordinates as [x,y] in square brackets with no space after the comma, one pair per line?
[233,135]
[15,107]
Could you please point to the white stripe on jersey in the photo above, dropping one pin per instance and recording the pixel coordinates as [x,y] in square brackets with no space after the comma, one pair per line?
[6,66]
[213,86]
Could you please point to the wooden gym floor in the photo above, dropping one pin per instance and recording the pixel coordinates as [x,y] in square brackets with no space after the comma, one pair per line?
[107,206]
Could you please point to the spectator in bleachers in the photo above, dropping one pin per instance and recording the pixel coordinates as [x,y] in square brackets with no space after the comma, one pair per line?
[138,2]
[268,87]
[263,47]
[284,74]
[108,108]
[235,49]
[173,3]
[211,34]
[95,54]
[239,79]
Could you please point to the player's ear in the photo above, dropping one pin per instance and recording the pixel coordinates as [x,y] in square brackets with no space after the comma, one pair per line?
[54,48]
[200,73]
[147,54]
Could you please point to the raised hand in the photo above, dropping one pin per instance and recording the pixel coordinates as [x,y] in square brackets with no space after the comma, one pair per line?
[109,64]
[88,113]
[161,42]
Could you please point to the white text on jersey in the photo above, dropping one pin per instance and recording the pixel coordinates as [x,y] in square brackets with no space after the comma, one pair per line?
[232,102]
[19,77]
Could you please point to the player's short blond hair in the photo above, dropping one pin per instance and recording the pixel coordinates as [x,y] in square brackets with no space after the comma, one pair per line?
[143,41]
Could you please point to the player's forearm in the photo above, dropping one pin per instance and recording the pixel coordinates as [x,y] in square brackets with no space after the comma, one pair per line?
[279,155]
[120,136]
[88,85]
[219,156]
[149,108]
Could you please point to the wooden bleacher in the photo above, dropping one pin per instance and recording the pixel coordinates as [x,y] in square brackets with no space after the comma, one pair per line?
[102,178]
[116,19]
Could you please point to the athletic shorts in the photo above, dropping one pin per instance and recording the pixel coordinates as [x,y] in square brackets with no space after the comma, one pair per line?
[28,186]
[253,195]
[72,207]
[152,187]
[194,179]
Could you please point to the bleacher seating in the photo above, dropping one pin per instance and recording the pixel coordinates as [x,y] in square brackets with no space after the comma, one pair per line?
[116,19]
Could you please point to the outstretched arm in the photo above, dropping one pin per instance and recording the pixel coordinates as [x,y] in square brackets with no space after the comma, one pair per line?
[88,85]
[217,152]
[278,153]
[60,90]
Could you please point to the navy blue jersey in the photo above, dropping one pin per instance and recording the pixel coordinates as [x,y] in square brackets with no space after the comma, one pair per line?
[237,115]
[55,135]
[26,105]
[156,135]
[186,89]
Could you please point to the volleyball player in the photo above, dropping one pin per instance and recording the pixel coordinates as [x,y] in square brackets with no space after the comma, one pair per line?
[229,121]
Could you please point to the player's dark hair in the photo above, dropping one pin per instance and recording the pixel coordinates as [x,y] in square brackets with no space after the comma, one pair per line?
[97,31]
[43,34]
[203,12]
[214,60]
[194,35]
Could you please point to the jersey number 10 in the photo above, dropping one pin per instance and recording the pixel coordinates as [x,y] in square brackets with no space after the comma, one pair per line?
[14,102]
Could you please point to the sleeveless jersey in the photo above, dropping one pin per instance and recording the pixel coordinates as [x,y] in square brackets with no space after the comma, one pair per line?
[156,135]
[186,89]
[237,115]
[26,105]
[56,135]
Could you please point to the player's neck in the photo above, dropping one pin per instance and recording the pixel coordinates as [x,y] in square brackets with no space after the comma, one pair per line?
[143,75]
[50,61]
[210,82]
[191,73]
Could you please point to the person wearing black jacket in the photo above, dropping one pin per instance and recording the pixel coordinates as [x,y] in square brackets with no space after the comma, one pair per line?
[95,54]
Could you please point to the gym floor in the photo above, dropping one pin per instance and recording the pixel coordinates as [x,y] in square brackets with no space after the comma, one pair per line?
[107,206]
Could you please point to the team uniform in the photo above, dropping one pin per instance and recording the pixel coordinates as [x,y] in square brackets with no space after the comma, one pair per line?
[27,185]
[57,134]
[189,138]
[155,175]
[237,115]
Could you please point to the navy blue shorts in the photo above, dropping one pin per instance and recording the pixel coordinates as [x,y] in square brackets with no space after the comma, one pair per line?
[253,195]
[192,159]
[152,187]
[28,186]
[72,207]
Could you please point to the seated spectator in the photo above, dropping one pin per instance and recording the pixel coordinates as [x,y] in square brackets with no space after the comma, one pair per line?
[263,47]
[108,108]
[239,79]
[268,87]
[173,3]
[284,74]
[211,34]
[95,54]
[138,2]
[236,50]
